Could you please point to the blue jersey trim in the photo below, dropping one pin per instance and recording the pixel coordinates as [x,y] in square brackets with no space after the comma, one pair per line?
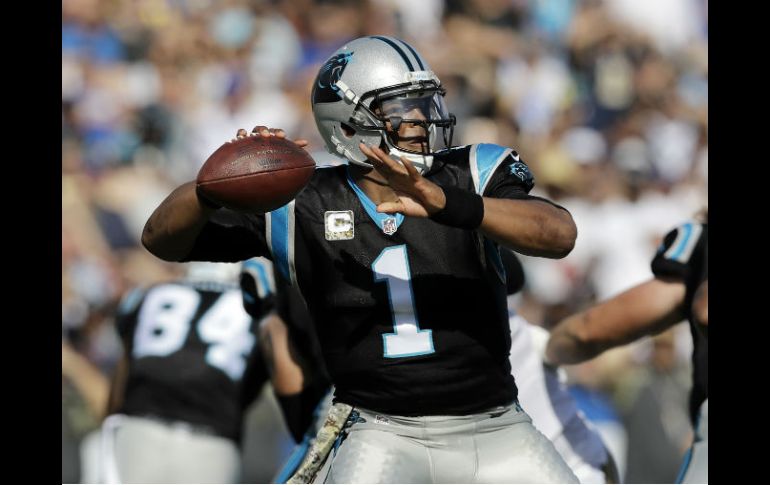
[488,157]
[261,273]
[294,460]
[685,466]
[687,232]
[279,238]
[371,208]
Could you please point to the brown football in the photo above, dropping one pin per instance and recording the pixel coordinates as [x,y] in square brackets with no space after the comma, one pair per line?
[255,174]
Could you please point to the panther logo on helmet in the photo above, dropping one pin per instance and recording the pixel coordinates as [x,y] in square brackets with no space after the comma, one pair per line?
[325,89]
[348,97]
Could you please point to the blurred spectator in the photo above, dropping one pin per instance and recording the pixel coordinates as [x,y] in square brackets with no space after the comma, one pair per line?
[657,423]
[680,266]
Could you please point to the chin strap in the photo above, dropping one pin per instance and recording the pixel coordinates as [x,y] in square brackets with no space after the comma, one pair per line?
[421,162]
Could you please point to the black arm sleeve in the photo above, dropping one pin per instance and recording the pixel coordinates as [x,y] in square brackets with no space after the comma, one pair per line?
[306,351]
[514,272]
[678,253]
[513,180]
[298,409]
[230,237]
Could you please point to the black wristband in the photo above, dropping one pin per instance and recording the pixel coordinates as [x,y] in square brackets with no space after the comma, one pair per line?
[205,200]
[463,209]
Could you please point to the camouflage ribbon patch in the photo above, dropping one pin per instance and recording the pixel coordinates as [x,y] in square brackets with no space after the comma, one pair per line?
[322,444]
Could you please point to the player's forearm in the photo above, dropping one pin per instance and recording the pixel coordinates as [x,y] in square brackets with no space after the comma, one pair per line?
[92,385]
[171,230]
[531,227]
[286,375]
[569,344]
[645,309]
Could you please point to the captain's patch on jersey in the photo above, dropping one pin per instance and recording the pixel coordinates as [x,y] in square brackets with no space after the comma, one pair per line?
[339,225]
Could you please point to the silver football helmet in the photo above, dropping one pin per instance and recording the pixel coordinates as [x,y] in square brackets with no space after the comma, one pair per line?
[367,89]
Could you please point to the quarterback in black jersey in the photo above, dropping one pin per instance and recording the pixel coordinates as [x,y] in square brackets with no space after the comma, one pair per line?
[396,255]
[191,368]
[678,291]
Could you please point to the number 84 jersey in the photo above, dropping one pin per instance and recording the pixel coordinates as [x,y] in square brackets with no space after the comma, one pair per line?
[192,355]
[411,314]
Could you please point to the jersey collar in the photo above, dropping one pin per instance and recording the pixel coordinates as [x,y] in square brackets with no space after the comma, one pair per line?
[380,219]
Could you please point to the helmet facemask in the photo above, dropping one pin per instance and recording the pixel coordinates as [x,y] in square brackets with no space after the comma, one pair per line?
[416,109]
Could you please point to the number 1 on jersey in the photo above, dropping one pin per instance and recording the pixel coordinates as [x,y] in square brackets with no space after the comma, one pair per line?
[392,266]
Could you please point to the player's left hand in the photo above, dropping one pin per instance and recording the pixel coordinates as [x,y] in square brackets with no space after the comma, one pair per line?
[417,196]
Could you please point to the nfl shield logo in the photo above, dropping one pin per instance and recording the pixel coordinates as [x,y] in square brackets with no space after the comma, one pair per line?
[389,226]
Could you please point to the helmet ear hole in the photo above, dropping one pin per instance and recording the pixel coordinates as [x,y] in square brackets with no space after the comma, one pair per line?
[348,130]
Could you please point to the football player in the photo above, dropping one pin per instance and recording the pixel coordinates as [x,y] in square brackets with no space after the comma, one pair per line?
[190,369]
[542,393]
[678,291]
[289,345]
[396,255]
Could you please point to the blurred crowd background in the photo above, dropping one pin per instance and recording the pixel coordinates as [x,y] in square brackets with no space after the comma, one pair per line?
[606,100]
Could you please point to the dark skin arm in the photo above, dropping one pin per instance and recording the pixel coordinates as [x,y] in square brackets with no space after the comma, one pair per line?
[286,374]
[646,309]
[700,308]
[118,386]
[297,386]
[86,378]
[173,227]
[531,227]
[700,304]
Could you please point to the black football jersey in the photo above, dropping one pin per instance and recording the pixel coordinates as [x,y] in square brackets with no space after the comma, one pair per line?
[192,355]
[684,255]
[411,314]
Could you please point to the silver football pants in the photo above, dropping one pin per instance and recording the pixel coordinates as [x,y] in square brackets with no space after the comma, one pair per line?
[497,446]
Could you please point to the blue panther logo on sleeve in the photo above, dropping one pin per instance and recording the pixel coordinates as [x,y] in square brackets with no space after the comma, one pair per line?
[520,169]
[325,90]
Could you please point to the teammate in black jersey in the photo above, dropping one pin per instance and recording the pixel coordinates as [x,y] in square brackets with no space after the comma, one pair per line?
[288,343]
[396,255]
[678,291]
[191,367]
